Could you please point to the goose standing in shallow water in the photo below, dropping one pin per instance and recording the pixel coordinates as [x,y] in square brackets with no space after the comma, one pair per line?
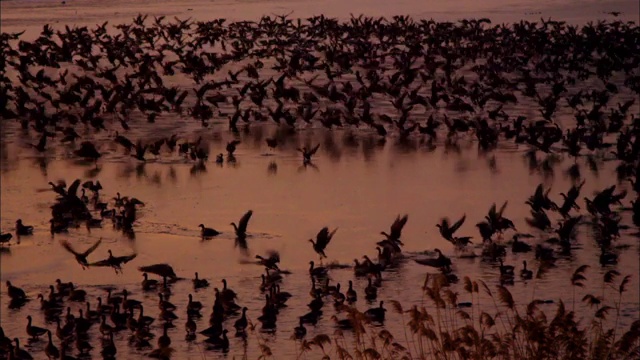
[23,230]
[34,331]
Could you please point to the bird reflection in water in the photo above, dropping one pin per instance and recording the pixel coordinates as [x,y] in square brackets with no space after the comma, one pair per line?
[197,168]
[272,169]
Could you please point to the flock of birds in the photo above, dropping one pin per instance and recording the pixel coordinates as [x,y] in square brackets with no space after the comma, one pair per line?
[396,77]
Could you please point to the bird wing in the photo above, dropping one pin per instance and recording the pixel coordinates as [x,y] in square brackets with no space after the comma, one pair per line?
[273,255]
[502,208]
[92,248]
[459,223]
[314,150]
[73,188]
[244,221]
[331,235]
[104,263]
[65,244]
[322,237]
[125,259]
[398,224]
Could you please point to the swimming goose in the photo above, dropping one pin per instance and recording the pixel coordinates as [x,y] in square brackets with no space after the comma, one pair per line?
[164,304]
[193,305]
[519,246]
[505,269]
[208,232]
[300,331]
[371,292]
[14,292]
[376,314]
[148,284]
[317,271]
[199,283]
[352,296]
[227,295]
[525,273]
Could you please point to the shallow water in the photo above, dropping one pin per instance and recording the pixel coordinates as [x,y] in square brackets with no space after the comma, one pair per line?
[357,185]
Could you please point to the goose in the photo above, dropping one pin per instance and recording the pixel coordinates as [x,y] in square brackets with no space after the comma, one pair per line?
[519,246]
[34,331]
[342,324]
[241,228]
[14,292]
[164,341]
[311,317]
[300,331]
[20,353]
[194,305]
[190,326]
[208,232]
[371,292]
[109,350]
[525,273]
[505,269]
[129,303]
[271,261]
[23,230]
[222,343]
[272,143]
[148,284]
[317,271]
[105,329]
[241,324]
[323,238]
[83,346]
[376,314]
[64,332]
[351,295]
[308,153]
[5,238]
[143,319]
[164,304]
[440,262]
[447,230]
[51,350]
[396,228]
[231,147]
[199,283]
